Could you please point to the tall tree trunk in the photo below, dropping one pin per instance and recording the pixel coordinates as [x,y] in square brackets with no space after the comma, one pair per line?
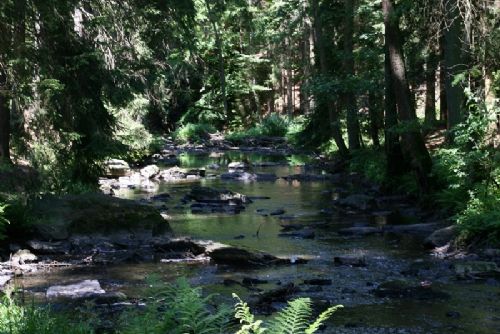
[323,100]
[4,117]
[374,119]
[396,164]
[289,79]
[349,96]
[305,104]
[412,140]
[443,103]
[430,88]
[454,64]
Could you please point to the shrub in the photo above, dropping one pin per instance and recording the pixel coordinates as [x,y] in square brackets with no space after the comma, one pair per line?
[17,319]
[193,133]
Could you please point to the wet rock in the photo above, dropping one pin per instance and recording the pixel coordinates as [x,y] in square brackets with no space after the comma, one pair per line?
[167,160]
[48,248]
[292,227]
[318,281]
[4,279]
[309,177]
[248,177]
[301,234]
[83,289]
[243,258]
[238,165]
[212,195]
[150,171]
[213,166]
[258,197]
[179,174]
[358,202]
[253,281]
[161,197]
[116,168]
[180,246]
[476,269]
[110,298]
[350,260]
[23,256]
[415,229]
[453,314]
[402,289]
[441,237]
[239,237]
[359,231]
[277,212]
[281,294]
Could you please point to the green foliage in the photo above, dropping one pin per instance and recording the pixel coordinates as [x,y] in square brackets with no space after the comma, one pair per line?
[177,308]
[468,175]
[273,125]
[294,319]
[3,219]
[18,319]
[370,163]
[193,133]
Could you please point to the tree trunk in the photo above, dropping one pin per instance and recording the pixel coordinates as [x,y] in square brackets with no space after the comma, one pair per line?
[374,119]
[4,118]
[289,79]
[430,88]
[396,164]
[443,103]
[348,63]
[324,101]
[412,140]
[454,64]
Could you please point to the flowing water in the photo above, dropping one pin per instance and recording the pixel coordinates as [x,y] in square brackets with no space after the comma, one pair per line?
[472,307]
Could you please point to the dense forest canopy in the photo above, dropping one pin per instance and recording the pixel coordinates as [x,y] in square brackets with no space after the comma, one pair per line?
[85,80]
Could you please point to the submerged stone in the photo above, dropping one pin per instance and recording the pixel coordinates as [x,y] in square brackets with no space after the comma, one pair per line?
[83,289]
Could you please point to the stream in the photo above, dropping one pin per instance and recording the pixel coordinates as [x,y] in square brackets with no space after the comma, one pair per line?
[469,306]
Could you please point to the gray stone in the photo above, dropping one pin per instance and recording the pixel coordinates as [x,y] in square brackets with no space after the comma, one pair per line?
[44,247]
[83,289]
[22,256]
[441,237]
[240,165]
[358,201]
[350,260]
[116,168]
[4,279]
[359,231]
[150,171]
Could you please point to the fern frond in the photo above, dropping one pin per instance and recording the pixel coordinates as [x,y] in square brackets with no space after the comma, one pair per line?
[294,318]
[246,318]
[322,318]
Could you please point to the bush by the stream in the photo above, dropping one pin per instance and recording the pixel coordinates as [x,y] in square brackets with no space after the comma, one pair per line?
[17,319]
[273,125]
[193,133]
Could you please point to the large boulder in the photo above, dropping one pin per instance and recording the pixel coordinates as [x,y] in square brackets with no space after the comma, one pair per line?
[84,289]
[358,202]
[59,217]
[242,257]
[116,168]
[150,171]
[441,237]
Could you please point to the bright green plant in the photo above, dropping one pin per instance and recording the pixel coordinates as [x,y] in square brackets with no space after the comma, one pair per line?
[194,133]
[18,319]
[3,219]
[294,319]
[183,310]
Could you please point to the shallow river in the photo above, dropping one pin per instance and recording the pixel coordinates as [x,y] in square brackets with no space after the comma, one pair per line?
[472,307]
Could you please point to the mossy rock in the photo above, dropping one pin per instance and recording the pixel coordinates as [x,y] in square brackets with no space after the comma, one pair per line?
[58,217]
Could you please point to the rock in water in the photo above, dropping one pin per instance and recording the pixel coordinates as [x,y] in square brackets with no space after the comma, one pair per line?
[238,165]
[116,168]
[150,171]
[441,237]
[84,289]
